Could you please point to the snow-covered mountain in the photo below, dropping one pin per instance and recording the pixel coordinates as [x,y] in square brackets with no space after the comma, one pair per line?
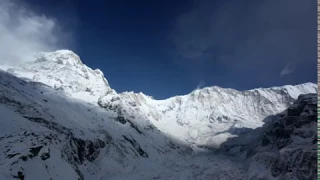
[60,119]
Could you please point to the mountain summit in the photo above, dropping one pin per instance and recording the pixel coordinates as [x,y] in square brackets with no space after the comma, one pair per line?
[61,57]
[63,70]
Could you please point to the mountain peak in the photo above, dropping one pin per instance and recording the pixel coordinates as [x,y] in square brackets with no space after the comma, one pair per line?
[63,70]
[66,57]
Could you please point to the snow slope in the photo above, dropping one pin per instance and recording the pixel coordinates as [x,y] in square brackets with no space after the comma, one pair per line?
[63,118]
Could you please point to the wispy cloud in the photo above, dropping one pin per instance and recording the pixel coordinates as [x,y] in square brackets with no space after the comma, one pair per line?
[24,33]
[200,85]
[289,68]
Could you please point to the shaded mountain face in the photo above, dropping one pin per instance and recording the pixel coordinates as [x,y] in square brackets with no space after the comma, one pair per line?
[63,118]
[291,143]
[285,148]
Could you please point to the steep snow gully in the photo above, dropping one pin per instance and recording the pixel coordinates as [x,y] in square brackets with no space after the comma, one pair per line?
[61,120]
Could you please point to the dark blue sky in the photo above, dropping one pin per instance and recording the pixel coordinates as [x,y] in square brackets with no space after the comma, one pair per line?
[165,48]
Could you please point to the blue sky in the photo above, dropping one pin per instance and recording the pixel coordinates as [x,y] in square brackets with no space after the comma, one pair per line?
[166,48]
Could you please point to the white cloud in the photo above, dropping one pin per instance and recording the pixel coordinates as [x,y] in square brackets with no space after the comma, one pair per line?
[23,33]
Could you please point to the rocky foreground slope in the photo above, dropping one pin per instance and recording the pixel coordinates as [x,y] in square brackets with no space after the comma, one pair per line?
[62,120]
